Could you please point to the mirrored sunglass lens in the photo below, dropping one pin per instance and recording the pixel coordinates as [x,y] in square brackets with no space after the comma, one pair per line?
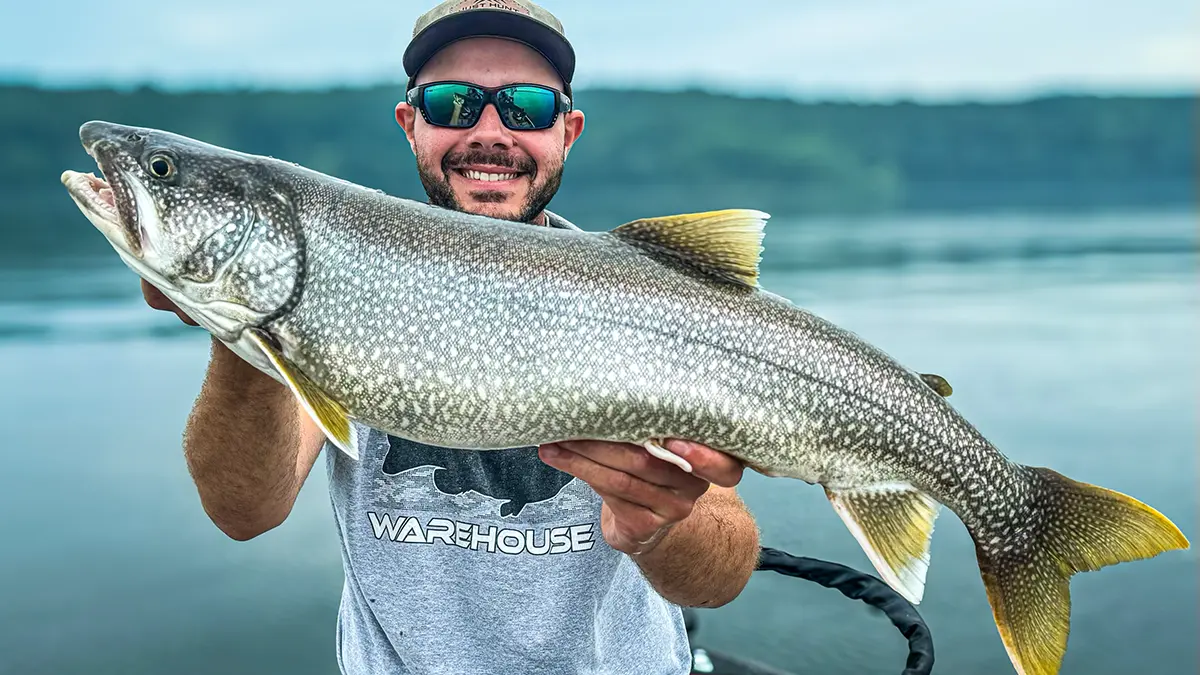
[455,105]
[528,107]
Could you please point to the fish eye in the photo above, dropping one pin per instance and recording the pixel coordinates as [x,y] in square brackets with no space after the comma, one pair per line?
[162,166]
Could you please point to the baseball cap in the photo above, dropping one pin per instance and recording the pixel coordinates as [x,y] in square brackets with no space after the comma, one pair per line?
[518,20]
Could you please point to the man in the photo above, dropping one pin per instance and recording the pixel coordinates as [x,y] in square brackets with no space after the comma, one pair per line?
[459,561]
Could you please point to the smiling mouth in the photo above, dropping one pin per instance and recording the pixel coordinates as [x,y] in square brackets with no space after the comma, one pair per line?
[488,176]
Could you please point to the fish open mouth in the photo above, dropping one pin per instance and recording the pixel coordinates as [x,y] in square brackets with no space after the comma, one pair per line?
[98,200]
[97,194]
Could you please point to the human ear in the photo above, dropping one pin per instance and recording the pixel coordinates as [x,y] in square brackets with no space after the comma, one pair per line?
[573,127]
[406,117]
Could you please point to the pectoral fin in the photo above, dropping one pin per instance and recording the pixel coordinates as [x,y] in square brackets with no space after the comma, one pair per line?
[331,416]
[893,523]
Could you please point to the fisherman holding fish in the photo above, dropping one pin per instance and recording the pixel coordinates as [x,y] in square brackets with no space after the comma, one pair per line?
[569,557]
[406,337]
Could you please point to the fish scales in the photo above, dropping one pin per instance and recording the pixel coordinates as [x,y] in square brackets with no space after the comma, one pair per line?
[549,336]
[475,333]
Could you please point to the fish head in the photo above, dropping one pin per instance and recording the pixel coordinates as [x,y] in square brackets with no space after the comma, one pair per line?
[214,229]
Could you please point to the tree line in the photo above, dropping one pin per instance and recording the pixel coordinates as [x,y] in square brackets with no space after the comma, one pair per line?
[656,152]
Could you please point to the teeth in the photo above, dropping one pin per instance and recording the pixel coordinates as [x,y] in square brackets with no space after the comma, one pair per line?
[479,175]
[101,194]
[107,205]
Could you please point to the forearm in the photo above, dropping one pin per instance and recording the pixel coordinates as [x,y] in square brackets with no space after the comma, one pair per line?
[706,559]
[242,446]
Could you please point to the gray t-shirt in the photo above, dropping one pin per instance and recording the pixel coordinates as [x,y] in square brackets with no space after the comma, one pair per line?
[493,562]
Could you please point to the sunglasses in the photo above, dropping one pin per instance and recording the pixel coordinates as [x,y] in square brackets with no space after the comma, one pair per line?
[458,105]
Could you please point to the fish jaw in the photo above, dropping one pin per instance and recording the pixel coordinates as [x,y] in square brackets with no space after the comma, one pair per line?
[95,198]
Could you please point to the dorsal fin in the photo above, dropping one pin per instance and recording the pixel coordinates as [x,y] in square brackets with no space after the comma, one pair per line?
[724,243]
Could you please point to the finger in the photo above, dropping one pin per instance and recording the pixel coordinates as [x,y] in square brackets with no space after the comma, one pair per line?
[157,300]
[713,466]
[636,529]
[634,459]
[665,502]
[155,297]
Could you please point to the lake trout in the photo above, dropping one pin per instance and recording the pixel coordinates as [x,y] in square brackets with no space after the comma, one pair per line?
[469,332]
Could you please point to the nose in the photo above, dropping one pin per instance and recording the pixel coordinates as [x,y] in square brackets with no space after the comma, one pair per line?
[93,132]
[490,132]
[96,131]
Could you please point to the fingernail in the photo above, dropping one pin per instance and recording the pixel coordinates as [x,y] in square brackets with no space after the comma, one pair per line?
[552,451]
[681,448]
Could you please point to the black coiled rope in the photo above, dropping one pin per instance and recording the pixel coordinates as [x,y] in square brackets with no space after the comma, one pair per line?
[859,586]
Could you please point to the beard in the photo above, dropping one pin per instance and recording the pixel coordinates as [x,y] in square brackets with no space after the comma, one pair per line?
[437,183]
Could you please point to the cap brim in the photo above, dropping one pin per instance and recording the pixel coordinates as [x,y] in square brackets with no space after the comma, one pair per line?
[491,23]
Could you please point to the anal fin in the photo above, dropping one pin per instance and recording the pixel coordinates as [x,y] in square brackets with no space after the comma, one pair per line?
[331,416]
[893,523]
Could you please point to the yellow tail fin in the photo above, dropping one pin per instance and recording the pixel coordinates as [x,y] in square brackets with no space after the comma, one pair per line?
[1079,528]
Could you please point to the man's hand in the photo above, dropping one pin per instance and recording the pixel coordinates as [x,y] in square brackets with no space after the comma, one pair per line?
[644,497]
[157,300]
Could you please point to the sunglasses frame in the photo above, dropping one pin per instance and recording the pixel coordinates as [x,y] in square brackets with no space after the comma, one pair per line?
[416,98]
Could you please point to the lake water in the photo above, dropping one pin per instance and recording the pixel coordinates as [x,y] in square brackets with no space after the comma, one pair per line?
[1070,342]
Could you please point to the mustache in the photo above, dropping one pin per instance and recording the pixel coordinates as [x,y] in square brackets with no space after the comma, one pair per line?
[518,163]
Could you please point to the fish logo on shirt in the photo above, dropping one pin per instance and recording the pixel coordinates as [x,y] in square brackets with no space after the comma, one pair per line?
[515,476]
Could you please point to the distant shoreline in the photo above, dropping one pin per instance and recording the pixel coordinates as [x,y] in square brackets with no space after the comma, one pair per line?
[652,152]
[15,80]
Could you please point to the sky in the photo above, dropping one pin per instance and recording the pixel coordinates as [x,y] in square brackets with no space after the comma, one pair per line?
[867,49]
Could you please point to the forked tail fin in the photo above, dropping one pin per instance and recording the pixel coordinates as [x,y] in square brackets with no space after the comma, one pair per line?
[1078,528]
